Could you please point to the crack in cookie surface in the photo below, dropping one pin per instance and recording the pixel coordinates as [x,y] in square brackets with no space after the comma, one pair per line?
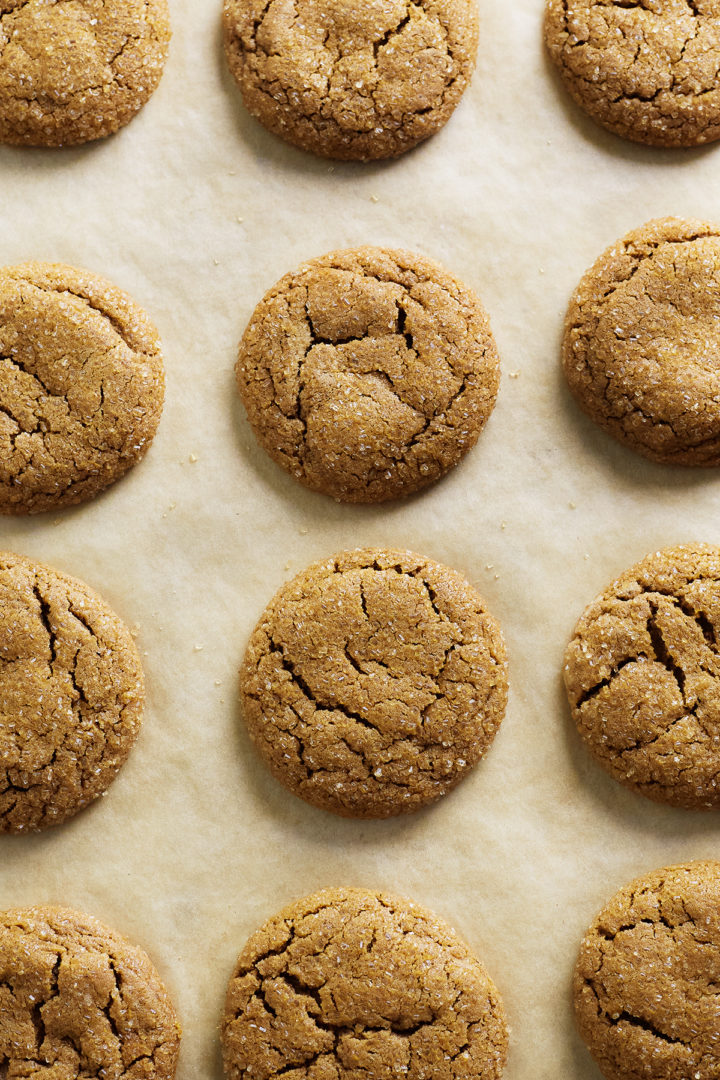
[368,374]
[79,1001]
[81,386]
[351,81]
[347,982]
[71,695]
[647,979]
[373,682]
[648,72]
[641,341]
[76,70]
[643,677]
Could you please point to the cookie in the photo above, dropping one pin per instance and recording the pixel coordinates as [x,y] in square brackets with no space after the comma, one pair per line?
[373,682]
[367,374]
[647,977]
[643,677]
[351,81]
[349,982]
[78,1000]
[73,72]
[646,71]
[81,385]
[71,695]
[641,335]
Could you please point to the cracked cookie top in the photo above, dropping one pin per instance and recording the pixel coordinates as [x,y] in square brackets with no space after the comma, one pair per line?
[646,69]
[349,983]
[648,975]
[81,386]
[348,80]
[78,1000]
[71,695]
[642,337]
[373,682]
[76,70]
[367,374]
[642,675]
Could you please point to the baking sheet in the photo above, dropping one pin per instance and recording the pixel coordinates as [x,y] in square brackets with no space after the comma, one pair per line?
[196,211]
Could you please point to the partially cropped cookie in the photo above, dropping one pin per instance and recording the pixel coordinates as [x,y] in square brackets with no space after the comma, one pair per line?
[373,682]
[348,982]
[73,72]
[368,373]
[642,674]
[646,980]
[71,695]
[646,71]
[642,335]
[351,81]
[81,386]
[78,1000]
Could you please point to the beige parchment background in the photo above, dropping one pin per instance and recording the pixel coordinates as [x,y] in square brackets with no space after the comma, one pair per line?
[196,211]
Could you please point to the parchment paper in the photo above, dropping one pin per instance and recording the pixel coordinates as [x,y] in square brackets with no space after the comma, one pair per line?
[196,211]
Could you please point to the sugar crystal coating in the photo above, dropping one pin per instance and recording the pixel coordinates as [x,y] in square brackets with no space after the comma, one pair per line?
[348,982]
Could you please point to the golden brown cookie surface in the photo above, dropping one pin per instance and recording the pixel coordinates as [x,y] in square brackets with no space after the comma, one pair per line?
[71,695]
[76,70]
[348,80]
[373,682]
[647,977]
[643,677]
[78,1000]
[367,374]
[642,335]
[349,982]
[81,386]
[647,71]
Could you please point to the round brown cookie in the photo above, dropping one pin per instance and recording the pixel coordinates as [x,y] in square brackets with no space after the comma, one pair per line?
[78,1000]
[76,70]
[642,335]
[647,977]
[373,682]
[643,677]
[81,386]
[367,374]
[647,71]
[347,80]
[348,982]
[71,695]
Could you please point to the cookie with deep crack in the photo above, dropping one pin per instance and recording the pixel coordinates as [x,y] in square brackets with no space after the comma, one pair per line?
[73,72]
[351,81]
[646,980]
[78,1000]
[374,682]
[648,72]
[641,336]
[71,695]
[81,386]
[368,374]
[642,674]
[348,982]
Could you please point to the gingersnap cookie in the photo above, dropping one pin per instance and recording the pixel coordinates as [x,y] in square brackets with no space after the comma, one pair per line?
[647,977]
[373,682]
[349,981]
[81,386]
[78,1000]
[641,337]
[351,81]
[646,71]
[71,695]
[76,71]
[642,674]
[367,374]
